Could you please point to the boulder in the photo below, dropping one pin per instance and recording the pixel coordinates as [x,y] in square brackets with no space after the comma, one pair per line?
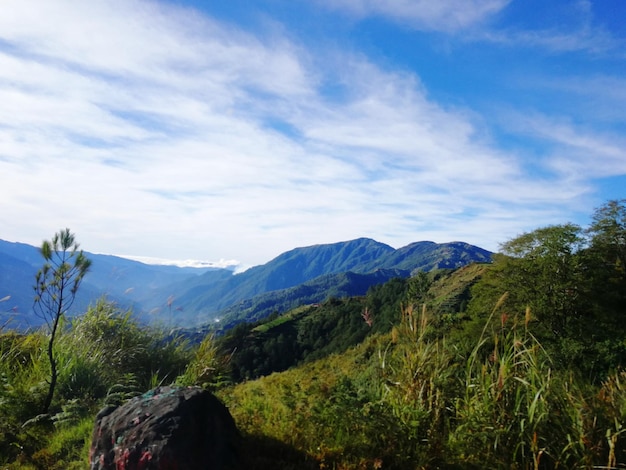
[167,428]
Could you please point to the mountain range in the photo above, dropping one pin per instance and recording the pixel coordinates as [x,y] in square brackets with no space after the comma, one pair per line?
[171,295]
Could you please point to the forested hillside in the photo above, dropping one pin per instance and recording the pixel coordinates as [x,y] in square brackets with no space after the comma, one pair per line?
[196,297]
[311,274]
[513,364]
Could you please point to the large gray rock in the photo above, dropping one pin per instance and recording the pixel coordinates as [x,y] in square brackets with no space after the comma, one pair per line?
[166,429]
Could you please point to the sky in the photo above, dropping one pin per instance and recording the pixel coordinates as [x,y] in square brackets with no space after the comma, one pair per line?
[233,131]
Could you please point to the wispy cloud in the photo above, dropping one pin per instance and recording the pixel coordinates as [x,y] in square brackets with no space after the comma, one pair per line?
[577,151]
[576,31]
[150,129]
[441,15]
[586,39]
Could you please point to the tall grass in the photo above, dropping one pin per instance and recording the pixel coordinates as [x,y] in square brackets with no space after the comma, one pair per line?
[206,368]
[418,377]
[516,411]
[405,400]
[103,357]
[411,400]
[22,389]
[107,336]
[610,421]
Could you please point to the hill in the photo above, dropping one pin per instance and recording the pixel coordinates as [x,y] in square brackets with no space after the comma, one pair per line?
[189,296]
[347,284]
[529,375]
[279,342]
[263,289]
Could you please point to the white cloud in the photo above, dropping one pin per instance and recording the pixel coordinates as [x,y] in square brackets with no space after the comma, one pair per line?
[156,131]
[234,265]
[586,39]
[577,30]
[576,151]
[440,15]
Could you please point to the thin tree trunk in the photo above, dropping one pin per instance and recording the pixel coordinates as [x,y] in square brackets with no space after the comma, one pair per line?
[53,366]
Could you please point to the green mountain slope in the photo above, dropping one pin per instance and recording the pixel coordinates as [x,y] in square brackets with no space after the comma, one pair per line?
[314,331]
[236,298]
[317,290]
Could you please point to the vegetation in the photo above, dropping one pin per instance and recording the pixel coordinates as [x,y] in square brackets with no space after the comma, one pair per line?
[55,290]
[347,284]
[515,364]
[103,357]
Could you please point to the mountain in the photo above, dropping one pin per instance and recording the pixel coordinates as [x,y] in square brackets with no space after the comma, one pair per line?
[15,274]
[287,270]
[426,256]
[192,296]
[130,284]
[301,265]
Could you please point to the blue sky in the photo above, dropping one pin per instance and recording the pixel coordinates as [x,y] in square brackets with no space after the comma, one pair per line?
[238,130]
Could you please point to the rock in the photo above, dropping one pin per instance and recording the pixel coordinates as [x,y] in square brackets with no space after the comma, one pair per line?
[166,429]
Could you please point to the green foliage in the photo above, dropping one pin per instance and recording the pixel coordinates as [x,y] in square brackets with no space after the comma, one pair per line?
[58,280]
[206,368]
[106,335]
[574,283]
[55,290]
[418,287]
[418,375]
[311,332]
[66,449]
[404,377]
[608,234]
[545,271]
[384,302]
[607,265]
[331,328]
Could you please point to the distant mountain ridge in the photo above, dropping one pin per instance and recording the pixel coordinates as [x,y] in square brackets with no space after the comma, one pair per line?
[191,296]
[129,283]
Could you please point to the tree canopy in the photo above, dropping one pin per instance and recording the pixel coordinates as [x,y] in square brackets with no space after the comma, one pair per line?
[55,289]
[572,281]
